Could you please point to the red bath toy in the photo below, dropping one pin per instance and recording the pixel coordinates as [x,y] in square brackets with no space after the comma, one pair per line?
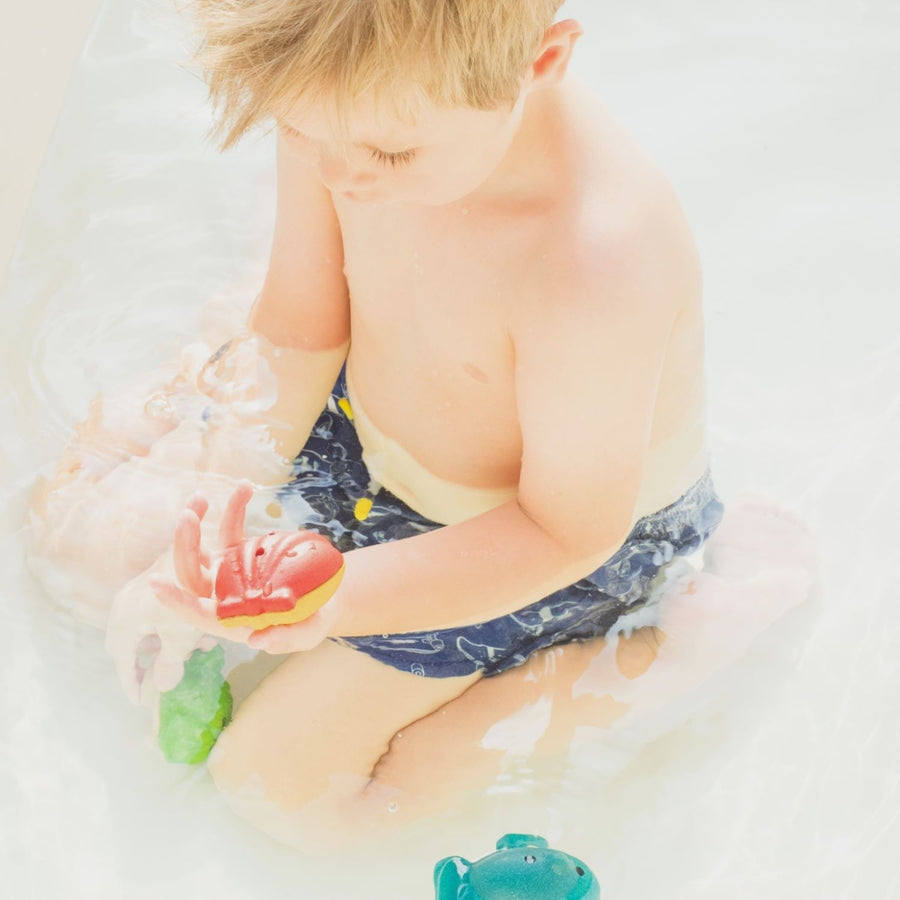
[278,578]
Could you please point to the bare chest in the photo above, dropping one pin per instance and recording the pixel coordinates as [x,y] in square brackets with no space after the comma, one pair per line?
[430,288]
[430,354]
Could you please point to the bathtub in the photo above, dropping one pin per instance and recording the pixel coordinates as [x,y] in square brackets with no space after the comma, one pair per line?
[777,124]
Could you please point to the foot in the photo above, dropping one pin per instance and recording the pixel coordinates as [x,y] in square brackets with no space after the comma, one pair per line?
[760,563]
[756,536]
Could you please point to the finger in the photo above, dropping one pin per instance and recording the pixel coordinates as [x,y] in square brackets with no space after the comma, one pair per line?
[178,644]
[167,673]
[188,606]
[199,504]
[231,529]
[188,568]
[130,677]
[292,638]
[197,611]
[129,673]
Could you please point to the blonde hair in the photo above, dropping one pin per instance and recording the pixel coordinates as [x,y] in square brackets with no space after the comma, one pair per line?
[260,57]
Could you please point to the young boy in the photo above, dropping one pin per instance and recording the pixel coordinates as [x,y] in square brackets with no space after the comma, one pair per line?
[496,300]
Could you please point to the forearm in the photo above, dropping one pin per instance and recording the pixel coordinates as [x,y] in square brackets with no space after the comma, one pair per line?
[458,575]
[243,412]
[264,407]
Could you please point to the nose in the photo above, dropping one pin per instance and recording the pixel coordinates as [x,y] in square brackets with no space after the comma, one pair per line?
[338,174]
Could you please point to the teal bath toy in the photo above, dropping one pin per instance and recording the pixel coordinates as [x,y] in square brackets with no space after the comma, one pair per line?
[193,714]
[523,868]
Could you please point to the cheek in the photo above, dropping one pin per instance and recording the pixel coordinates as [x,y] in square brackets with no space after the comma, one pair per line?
[299,147]
[441,187]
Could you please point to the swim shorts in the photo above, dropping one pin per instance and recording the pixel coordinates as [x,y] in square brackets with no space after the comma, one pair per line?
[333,494]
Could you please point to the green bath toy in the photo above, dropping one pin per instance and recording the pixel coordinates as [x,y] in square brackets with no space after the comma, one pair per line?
[193,714]
[523,868]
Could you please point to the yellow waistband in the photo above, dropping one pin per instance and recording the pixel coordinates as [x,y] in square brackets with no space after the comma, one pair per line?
[394,468]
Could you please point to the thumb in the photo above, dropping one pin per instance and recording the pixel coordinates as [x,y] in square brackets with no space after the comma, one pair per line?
[167,672]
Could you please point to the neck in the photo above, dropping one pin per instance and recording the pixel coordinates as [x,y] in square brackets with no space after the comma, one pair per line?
[532,170]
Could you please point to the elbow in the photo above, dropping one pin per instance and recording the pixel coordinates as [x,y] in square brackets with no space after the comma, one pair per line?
[579,543]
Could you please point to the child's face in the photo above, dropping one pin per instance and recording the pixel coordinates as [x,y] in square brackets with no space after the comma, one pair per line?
[442,157]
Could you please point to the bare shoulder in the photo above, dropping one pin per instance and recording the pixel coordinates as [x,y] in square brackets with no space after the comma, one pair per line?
[616,244]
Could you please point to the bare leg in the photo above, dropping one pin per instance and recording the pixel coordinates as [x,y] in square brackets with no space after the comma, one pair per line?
[297,760]
[334,747]
[764,565]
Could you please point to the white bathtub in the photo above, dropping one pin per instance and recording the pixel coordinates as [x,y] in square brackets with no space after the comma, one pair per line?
[777,123]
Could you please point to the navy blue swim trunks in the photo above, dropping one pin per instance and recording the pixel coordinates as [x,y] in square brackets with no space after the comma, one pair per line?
[332,493]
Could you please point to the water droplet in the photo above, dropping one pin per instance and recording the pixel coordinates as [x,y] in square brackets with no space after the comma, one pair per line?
[393,806]
[159,407]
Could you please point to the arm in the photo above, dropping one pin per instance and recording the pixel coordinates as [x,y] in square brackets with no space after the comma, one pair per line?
[587,369]
[302,315]
[273,377]
[260,399]
[263,390]
[269,387]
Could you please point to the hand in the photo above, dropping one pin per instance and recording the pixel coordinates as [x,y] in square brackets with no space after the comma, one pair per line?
[148,642]
[95,537]
[190,594]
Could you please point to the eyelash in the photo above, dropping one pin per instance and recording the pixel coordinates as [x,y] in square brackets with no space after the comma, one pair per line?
[393,159]
[386,159]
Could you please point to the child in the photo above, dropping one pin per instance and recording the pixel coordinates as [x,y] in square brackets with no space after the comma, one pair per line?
[482,323]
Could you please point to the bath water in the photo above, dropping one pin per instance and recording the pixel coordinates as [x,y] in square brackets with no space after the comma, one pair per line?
[777,125]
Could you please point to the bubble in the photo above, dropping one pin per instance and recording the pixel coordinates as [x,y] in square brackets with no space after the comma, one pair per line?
[393,806]
[159,407]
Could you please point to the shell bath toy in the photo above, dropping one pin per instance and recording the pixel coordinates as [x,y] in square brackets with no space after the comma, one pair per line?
[279,578]
[523,868]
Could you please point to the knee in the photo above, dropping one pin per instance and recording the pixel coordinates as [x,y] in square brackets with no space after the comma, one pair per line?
[247,760]
[316,816]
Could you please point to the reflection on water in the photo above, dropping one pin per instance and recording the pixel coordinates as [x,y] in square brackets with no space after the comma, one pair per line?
[775,125]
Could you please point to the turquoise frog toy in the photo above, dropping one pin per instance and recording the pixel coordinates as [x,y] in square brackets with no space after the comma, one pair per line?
[523,868]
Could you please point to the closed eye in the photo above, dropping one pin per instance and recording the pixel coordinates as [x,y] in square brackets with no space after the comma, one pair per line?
[392,159]
[381,156]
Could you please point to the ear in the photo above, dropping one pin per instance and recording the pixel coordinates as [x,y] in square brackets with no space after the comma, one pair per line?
[554,53]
